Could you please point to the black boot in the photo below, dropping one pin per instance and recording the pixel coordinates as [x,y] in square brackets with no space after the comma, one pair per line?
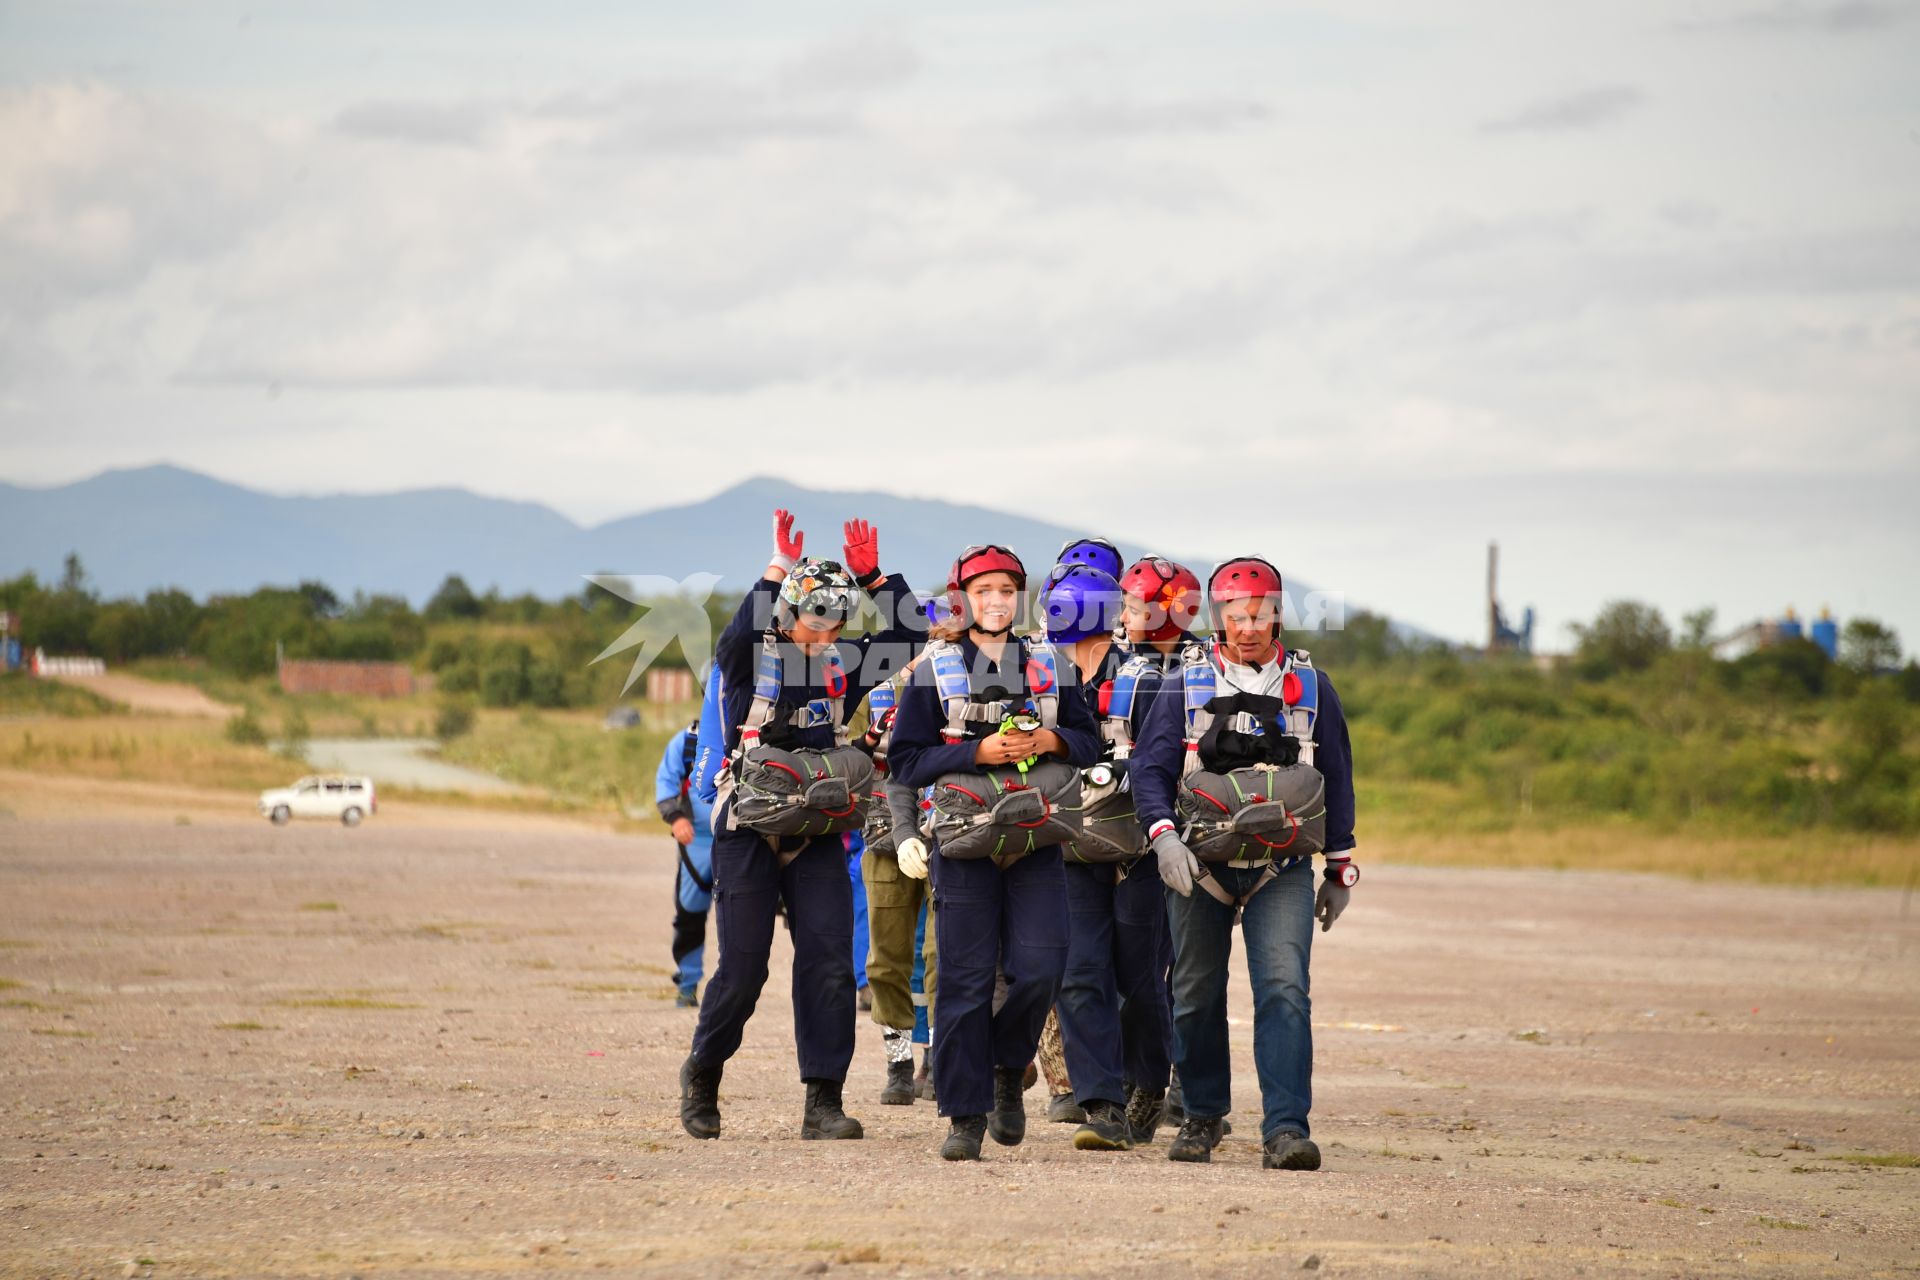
[1176,1102]
[899,1090]
[963,1138]
[824,1118]
[923,1078]
[1008,1122]
[1289,1151]
[1144,1109]
[699,1099]
[1105,1129]
[1195,1141]
[1062,1109]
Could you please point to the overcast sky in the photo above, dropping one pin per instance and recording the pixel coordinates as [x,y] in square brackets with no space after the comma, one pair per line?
[1633,288]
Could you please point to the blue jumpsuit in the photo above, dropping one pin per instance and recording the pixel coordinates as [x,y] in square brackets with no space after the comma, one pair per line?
[1115,1026]
[985,917]
[674,793]
[749,878]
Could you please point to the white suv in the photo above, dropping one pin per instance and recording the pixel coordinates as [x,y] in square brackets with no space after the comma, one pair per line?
[321,796]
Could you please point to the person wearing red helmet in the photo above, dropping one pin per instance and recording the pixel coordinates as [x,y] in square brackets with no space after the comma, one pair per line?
[1161,603]
[990,715]
[1242,771]
[790,710]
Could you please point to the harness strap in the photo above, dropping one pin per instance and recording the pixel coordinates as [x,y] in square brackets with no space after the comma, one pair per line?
[1206,880]
[954,684]
[686,865]
[767,683]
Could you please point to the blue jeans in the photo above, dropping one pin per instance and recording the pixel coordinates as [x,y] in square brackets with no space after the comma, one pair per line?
[1278,924]
[986,919]
[1113,1000]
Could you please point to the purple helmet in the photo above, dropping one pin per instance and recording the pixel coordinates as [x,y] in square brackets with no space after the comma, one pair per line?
[1083,601]
[1097,552]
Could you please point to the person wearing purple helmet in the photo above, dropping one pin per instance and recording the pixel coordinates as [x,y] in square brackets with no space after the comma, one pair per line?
[1112,995]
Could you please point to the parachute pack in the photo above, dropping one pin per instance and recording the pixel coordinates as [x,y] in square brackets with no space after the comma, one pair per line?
[799,791]
[1007,811]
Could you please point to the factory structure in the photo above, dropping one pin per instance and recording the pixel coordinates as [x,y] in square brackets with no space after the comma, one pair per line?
[1823,631]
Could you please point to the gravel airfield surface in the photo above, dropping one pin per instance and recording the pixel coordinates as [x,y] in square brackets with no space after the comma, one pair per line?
[450,1050]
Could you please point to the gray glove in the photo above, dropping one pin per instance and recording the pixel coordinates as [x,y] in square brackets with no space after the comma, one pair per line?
[1178,866]
[1329,903]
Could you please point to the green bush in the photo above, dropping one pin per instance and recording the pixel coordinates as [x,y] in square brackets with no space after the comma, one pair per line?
[454,720]
[246,729]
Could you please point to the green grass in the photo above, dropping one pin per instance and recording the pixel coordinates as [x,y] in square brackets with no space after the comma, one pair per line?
[1901,1160]
[1780,1224]
[569,755]
[319,906]
[63,1034]
[242,1026]
[25,695]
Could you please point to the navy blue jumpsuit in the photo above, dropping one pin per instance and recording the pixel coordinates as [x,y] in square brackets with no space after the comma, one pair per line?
[1014,920]
[748,880]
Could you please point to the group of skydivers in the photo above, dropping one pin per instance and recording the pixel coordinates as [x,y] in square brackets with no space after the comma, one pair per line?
[1019,782]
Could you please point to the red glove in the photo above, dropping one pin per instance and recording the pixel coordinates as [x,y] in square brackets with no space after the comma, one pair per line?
[862,550]
[788,542]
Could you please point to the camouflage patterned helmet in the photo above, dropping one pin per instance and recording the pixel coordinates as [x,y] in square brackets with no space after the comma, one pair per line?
[819,590]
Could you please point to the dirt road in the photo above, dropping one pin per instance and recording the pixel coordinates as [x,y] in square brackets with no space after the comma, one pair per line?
[162,696]
[235,1050]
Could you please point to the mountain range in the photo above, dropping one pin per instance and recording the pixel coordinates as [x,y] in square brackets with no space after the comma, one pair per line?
[140,528]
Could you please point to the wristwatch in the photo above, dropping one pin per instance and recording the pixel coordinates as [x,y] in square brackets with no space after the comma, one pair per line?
[1344,874]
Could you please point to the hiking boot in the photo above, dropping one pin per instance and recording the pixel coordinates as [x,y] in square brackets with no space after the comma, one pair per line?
[1008,1122]
[899,1090]
[1195,1141]
[923,1078]
[1144,1109]
[699,1099]
[1062,1109]
[1105,1129]
[963,1138]
[687,999]
[1286,1150]
[1029,1077]
[824,1118]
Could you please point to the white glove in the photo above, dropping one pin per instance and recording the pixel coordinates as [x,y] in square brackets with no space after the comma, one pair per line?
[911,854]
[1178,866]
[1330,902]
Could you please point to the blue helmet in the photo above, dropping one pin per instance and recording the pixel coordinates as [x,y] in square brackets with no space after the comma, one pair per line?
[1082,601]
[1097,552]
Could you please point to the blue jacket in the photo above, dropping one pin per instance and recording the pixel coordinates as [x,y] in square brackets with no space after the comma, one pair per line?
[713,741]
[920,753]
[671,789]
[868,660]
[1162,745]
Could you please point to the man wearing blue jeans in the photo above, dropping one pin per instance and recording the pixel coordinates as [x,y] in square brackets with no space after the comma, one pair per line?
[1261,712]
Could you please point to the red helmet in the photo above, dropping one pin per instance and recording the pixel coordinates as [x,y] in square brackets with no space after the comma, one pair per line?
[1241,578]
[1169,586]
[975,561]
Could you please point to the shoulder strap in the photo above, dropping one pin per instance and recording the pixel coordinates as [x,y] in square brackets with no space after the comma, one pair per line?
[950,681]
[1118,726]
[767,675]
[1301,715]
[1042,672]
[766,692]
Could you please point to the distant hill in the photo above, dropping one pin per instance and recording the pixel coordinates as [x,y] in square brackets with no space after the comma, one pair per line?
[158,526]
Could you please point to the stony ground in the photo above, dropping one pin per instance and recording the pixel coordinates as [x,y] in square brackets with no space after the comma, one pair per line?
[420,1049]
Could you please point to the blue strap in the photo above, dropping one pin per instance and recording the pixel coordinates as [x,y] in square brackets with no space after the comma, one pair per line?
[950,672]
[1196,680]
[1126,683]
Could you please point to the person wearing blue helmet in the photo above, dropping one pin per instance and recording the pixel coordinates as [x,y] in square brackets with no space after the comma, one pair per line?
[1112,997]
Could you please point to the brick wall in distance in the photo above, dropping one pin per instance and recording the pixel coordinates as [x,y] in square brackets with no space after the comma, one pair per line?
[368,679]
